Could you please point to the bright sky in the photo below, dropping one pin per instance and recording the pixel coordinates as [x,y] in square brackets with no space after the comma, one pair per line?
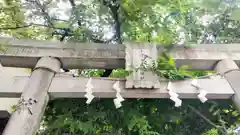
[62,10]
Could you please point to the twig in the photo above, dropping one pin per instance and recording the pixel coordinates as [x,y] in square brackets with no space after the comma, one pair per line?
[56,19]
[220,128]
[24,26]
[43,11]
[47,2]
[204,117]
[114,8]
[223,124]
[73,4]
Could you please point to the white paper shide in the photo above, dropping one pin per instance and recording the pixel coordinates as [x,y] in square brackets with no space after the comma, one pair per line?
[174,96]
[202,93]
[195,83]
[117,101]
[89,91]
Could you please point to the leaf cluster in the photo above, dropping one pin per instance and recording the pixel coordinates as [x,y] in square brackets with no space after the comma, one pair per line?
[139,116]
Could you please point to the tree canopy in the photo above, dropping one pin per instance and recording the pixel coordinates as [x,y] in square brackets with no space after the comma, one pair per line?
[164,22]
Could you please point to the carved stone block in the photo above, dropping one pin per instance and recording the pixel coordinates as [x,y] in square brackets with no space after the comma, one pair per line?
[139,59]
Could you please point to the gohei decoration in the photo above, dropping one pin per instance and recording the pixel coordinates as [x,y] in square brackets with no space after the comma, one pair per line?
[117,101]
[89,91]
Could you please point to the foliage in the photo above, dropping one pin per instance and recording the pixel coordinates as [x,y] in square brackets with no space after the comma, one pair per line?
[141,116]
[166,68]
[211,132]
[13,108]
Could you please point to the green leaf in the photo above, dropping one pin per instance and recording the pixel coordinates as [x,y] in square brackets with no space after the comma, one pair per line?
[226,111]
[235,113]
[13,108]
[171,62]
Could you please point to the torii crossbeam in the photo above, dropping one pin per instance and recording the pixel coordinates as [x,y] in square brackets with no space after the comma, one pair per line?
[48,57]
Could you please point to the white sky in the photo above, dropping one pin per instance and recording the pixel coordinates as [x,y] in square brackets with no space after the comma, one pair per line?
[61,10]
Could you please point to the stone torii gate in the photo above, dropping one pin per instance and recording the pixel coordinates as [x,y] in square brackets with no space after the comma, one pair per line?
[46,58]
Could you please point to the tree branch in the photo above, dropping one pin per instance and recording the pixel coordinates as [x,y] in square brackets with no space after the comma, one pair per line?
[25,26]
[48,19]
[73,4]
[56,19]
[223,124]
[43,11]
[114,8]
[47,2]
[206,119]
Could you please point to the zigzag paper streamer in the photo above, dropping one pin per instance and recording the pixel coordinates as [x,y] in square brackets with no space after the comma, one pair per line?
[195,83]
[117,101]
[89,92]
[202,95]
[174,96]
[116,86]
[178,102]
[119,97]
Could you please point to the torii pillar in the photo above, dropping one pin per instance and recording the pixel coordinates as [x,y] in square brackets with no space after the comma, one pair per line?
[26,119]
[229,69]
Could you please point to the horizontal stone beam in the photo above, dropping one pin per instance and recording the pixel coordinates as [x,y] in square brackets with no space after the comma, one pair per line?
[70,87]
[25,53]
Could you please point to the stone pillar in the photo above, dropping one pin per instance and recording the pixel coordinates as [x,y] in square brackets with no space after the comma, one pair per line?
[229,69]
[27,117]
